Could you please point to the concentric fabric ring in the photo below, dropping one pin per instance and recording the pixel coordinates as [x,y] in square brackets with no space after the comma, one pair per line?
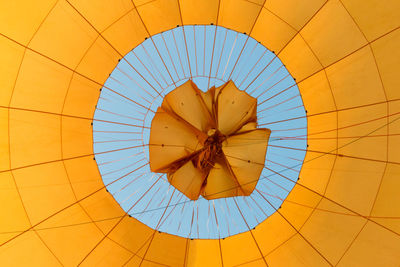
[209,56]
[56,55]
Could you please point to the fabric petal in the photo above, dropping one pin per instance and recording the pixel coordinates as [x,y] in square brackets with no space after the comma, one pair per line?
[234,109]
[186,101]
[221,183]
[188,180]
[245,154]
[170,140]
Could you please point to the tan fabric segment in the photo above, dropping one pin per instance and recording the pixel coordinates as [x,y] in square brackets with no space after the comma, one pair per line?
[38,256]
[4,141]
[188,180]
[64,36]
[332,34]
[244,106]
[245,154]
[159,15]
[374,17]
[386,56]
[199,12]
[239,249]
[34,137]
[383,245]
[296,252]
[332,232]
[294,12]
[13,206]
[20,19]
[186,102]
[275,37]
[11,57]
[171,139]
[172,255]
[31,91]
[239,15]
[220,183]
[203,252]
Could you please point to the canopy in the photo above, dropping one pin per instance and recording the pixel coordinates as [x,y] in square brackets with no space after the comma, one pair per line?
[208,143]
[344,209]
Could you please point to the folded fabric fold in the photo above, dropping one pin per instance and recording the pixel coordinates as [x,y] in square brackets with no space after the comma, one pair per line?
[208,143]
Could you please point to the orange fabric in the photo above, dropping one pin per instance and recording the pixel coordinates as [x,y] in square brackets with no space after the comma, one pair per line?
[208,143]
[56,55]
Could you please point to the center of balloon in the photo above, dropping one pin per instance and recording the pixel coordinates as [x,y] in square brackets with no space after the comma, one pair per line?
[208,143]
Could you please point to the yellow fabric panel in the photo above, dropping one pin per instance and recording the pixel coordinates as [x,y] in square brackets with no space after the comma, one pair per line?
[316,94]
[208,98]
[13,217]
[295,12]
[296,252]
[104,255]
[375,246]
[299,59]
[84,180]
[245,107]
[276,35]
[20,19]
[70,234]
[98,61]
[254,263]
[76,137]
[355,80]
[247,164]
[147,263]
[389,192]
[134,261]
[101,206]
[167,249]
[132,235]
[332,34]
[373,132]
[101,14]
[64,36]
[316,171]
[330,232]
[394,130]
[188,180]
[298,214]
[238,15]
[34,138]
[41,84]
[170,140]
[4,142]
[220,183]
[203,252]
[126,33]
[386,53]
[35,253]
[248,127]
[187,103]
[322,132]
[199,12]
[239,249]
[159,15]
[44,189]
[11,56]
[361,182]
[374,17]
[81,97]
[272,233]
